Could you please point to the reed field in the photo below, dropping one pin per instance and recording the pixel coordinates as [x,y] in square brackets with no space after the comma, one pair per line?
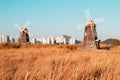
[58,62]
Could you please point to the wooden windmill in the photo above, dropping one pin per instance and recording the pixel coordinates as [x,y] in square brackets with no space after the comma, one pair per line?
[90,40]
[24,36]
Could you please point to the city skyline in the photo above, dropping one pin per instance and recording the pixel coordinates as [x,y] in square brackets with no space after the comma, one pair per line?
[55,18]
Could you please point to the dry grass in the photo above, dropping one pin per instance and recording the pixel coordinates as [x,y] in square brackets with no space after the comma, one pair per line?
[53,62]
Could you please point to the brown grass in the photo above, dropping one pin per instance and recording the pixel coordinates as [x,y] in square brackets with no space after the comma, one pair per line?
[53,62]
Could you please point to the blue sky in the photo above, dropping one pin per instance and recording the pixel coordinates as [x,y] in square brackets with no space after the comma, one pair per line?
[57,17]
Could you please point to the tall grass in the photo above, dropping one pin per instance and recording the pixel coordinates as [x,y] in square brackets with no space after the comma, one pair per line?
[51,62]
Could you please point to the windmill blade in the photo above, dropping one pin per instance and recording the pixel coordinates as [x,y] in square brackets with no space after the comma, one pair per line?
[80,26]
[27,24]
[87,14]
[100,20]
[17,26]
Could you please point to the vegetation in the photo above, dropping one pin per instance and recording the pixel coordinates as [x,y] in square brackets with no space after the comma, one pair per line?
[58,62]
[115,42]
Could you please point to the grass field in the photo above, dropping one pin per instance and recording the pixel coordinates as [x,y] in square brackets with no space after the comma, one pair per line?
[53,62]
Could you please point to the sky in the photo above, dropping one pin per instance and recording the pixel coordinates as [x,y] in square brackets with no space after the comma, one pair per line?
[58,17]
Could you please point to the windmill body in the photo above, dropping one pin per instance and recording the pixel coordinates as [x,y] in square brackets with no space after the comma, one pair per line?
[90,40]
[24,37]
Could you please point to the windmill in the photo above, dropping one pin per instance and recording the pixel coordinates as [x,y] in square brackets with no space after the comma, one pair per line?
[90,40]
[23,37]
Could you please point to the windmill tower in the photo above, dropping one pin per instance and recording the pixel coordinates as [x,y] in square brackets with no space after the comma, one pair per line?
[24,36]
[90,40]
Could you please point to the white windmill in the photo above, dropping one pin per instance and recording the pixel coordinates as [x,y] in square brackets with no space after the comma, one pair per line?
[24,37]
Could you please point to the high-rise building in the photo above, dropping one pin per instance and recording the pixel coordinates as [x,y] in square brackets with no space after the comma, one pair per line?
[65,39]
[5,39]
[72,40]
[12,39]
[51,40]
[33,40]
[0,39]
